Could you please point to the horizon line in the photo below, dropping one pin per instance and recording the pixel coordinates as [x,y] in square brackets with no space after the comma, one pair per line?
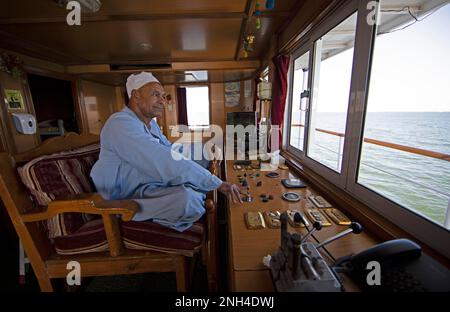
[396,112]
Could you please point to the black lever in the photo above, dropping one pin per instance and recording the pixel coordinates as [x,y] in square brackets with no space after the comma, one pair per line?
[299,218]
[284,232]
[355,227]
[317,226]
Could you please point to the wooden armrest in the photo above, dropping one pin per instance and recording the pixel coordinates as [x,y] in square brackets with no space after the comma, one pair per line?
[214,167]
[210,207]
[86,203]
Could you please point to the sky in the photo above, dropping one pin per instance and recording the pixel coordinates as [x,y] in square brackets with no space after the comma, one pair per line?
[410,71]
[198,105]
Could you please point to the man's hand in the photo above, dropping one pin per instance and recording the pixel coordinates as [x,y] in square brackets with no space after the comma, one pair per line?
[231,190]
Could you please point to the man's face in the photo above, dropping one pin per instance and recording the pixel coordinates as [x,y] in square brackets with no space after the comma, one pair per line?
[151,99]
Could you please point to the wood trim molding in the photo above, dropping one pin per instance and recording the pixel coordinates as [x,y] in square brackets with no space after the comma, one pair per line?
[6,133]
[31,110]
[127,17]
[225,65]
[80,107]
[142,17]
[48,73]
[323,12]
[294,11]
[3,143]
[176,66]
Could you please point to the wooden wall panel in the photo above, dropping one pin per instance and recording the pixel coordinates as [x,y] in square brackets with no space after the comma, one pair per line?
[217,104]
[120,99]
[170,112]
[2,141]
[16,142]
[100,102]
[304,17]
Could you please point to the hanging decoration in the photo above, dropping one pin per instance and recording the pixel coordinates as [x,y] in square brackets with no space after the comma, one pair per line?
[249,40]
[13,66]
[270,4]
[258,15]
[248,45]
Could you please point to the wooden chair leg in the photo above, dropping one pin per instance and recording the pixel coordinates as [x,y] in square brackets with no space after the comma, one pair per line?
[44,283]
[182,273]
[43,279]
[192,265]
[211,270]
[209,251]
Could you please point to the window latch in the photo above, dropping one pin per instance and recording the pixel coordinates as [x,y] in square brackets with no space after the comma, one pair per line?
[303,102]
[304,94]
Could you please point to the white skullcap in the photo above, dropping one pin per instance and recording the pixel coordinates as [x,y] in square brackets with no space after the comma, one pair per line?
[136,81]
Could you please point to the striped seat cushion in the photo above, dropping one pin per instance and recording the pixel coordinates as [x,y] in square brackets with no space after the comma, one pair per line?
[90,237]
[59,175]
[136,235]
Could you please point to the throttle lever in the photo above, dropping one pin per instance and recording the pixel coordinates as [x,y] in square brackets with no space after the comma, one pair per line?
[317,226]
[355,227]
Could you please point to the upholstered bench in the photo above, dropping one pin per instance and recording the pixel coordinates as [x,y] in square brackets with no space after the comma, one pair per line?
[65,174]
[55,199]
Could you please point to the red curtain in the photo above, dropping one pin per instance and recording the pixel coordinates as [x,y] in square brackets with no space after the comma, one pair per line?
[182,109]
[279,90]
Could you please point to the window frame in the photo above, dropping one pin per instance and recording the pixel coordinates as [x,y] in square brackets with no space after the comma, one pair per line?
[338,179]
[288,116]
[427,231]
[413,222]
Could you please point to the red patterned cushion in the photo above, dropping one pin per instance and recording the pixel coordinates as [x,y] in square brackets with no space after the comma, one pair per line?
[56,176]
[136,235]
[152,236]
[90,237]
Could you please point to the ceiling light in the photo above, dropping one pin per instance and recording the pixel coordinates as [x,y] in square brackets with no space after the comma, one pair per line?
[146,46]
[199,75]
[88,6]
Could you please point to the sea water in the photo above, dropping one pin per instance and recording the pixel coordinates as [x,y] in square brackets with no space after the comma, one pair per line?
[417,182]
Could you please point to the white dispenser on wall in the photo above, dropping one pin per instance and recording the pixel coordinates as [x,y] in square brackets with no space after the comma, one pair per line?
[24,123]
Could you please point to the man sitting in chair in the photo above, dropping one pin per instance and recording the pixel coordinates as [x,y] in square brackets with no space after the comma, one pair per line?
[136,161]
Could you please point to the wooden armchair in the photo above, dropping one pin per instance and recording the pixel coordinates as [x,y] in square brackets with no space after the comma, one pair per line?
[48,264]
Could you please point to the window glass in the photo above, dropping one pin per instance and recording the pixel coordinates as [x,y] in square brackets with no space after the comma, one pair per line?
[299,101]
[197,105]
[405,153]
[331,88]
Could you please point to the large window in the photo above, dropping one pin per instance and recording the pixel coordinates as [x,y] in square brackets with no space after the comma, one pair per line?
[405,153]
[197,104]
[299,104]
[378,121]
[331,88]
